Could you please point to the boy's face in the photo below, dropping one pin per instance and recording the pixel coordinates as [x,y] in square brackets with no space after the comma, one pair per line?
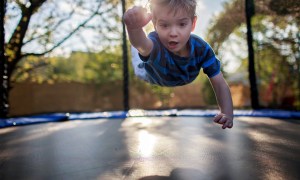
[174,29]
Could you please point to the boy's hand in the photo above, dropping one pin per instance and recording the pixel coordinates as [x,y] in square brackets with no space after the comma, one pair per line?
[136,18]
[221,118]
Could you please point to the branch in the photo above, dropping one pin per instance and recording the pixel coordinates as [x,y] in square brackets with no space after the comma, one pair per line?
[72,33]
[50,30]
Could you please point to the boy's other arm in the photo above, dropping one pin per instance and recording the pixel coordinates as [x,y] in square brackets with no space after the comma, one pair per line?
[135,19]
[224,100]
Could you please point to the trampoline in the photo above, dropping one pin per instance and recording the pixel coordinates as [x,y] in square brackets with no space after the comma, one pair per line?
[151,145]
[147,145]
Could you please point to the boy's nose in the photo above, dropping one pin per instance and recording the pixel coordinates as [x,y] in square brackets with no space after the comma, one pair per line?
[173,32]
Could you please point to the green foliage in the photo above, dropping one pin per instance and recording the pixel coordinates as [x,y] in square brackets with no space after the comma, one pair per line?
[286,7]
[78,67]
[276,55]
[276,43]
[225,23]
[163,93]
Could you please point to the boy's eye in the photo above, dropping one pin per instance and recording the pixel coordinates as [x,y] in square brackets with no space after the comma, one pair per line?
[164,25]
[182,24]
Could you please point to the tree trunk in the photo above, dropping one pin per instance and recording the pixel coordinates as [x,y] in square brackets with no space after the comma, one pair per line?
[252,75]
[125,65]
[3,66]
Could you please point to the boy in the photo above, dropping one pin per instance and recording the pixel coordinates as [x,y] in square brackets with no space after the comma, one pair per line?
[171,55]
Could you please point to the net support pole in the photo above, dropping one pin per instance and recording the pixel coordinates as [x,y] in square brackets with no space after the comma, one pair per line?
[3,65]
[125,63]
[249,8]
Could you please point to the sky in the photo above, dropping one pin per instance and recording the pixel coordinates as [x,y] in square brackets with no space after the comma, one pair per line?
[206,9]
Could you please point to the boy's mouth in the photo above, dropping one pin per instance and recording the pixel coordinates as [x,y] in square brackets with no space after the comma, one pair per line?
[172,43]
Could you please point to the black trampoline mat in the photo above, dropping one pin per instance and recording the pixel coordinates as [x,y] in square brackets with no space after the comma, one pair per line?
[152,148]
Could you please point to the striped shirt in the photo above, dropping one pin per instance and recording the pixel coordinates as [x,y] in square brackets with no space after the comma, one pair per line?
[164,68]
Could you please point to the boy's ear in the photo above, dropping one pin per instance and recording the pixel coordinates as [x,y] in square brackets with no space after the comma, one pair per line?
[194,23]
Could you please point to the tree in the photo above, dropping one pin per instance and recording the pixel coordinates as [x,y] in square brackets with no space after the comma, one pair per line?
[225,23]
[286,7]
[282,36]
[37,28]
[43,26]
[233,17]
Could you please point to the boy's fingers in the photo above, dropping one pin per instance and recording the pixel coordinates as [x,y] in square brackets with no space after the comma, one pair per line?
[220,121]
[137,17]
[218,117]
[227,124]
[129,17]
[148,17]
[138,11]
[230,124]
[224,120]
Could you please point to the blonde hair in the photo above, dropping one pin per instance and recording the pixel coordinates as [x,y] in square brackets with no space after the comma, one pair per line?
[188,6]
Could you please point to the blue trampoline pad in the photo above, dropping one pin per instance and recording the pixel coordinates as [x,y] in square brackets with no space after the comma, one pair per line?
[57,117]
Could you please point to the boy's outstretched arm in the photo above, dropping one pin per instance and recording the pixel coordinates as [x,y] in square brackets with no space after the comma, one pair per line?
[135,19]
[224,100]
